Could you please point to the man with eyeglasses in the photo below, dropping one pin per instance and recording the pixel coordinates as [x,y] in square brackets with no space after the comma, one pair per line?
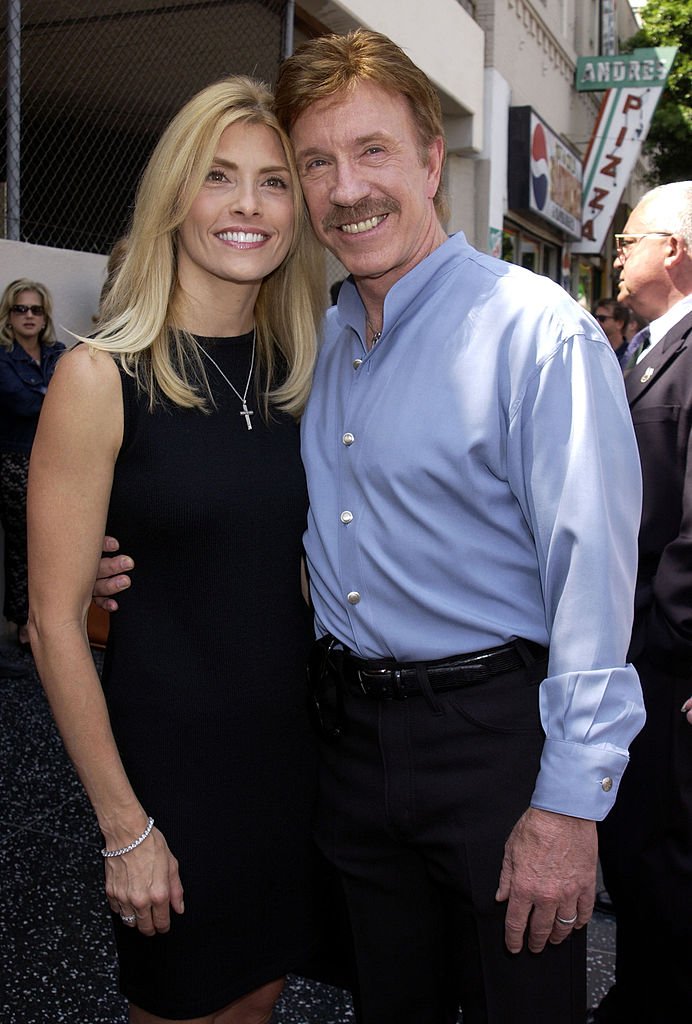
[646,841]
[613,316]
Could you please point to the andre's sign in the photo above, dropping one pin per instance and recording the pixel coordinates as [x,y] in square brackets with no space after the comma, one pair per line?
[632,85]
[643,67]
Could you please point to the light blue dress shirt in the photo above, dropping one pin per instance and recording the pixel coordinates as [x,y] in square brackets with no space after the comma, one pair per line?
[474,477]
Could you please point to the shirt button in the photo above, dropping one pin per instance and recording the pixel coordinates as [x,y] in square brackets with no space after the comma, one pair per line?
[348,439]
[607,784]
[353,597]
[346,517]
[356,363]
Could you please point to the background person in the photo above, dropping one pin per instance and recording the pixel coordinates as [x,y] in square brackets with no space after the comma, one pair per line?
[177,427]
[634,325]
[29,352]
[613,317]
[646,842]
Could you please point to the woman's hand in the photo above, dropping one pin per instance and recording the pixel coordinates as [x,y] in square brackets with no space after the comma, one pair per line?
[145,883]
[687,709]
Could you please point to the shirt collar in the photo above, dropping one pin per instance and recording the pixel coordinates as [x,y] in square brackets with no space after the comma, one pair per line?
[404,292]
[660,327]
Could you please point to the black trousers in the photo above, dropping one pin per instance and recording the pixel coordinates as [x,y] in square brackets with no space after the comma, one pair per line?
[417,798]
[646,856]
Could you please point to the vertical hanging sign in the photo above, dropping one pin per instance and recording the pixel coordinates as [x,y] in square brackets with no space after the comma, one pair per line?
[633,84]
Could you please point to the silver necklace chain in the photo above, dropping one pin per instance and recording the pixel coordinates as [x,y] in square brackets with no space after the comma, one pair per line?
[247,413]
[376,335]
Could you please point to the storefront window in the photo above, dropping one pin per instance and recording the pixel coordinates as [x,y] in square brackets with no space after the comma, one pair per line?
[510,243]
[530,255]
[551,262]
[531,252]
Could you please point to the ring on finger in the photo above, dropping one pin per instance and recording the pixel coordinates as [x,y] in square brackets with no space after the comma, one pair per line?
[129,919]
[565,920]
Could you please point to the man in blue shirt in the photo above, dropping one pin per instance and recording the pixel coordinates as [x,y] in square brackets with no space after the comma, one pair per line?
[475,497]
[474,500]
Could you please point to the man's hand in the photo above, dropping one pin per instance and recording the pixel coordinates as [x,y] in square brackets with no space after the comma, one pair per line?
[548,877]
[687,709]
[109,579]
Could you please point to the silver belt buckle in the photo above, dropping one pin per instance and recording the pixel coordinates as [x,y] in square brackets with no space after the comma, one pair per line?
[394,692]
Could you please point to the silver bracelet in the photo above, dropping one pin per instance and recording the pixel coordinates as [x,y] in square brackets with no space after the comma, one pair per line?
[132,845]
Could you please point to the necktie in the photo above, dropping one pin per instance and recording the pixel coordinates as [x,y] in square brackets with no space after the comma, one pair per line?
[638,344]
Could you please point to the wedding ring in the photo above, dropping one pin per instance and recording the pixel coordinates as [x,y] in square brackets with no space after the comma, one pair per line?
[569,920]
[128,918]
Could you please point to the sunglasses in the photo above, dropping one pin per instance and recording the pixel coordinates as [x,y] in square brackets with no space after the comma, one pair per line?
[36,310]
[602,317]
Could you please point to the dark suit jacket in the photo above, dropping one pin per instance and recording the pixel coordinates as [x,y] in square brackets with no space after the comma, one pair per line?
[646,840]
[659,391]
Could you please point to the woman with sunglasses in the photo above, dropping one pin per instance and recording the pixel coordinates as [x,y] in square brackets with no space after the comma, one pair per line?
[28,355]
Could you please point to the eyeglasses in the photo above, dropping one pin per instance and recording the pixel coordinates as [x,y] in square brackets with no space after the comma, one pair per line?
[602,317]
[623,243]
[36,310]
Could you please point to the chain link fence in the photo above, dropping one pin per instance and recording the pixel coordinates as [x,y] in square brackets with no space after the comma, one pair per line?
[88,86]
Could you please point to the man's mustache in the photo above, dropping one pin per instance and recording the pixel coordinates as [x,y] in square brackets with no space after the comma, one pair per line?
[340,215]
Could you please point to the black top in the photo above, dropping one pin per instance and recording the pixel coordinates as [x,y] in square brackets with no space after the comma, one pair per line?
[204,678]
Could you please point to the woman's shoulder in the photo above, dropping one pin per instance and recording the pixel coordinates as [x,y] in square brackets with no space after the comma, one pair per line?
[84,367]
[84,399]
[13,362]
[7,352]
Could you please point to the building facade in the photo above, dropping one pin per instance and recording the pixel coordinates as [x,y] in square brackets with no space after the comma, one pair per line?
[88,89]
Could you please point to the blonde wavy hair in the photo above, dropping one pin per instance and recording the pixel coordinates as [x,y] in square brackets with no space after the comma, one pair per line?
[140,317]
[322,67]
[9,299]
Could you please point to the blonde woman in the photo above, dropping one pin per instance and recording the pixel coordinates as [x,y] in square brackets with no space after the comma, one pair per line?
[29,352]
[175,429]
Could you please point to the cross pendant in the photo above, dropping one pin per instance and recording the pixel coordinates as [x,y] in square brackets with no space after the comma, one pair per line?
[247,413]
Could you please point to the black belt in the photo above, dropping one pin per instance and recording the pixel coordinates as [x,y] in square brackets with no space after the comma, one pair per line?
[385,678]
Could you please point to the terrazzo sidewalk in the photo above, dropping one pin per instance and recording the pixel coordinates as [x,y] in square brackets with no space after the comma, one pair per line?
[57,960]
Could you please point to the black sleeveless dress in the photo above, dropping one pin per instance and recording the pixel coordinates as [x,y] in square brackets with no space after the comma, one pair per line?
[204,680]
